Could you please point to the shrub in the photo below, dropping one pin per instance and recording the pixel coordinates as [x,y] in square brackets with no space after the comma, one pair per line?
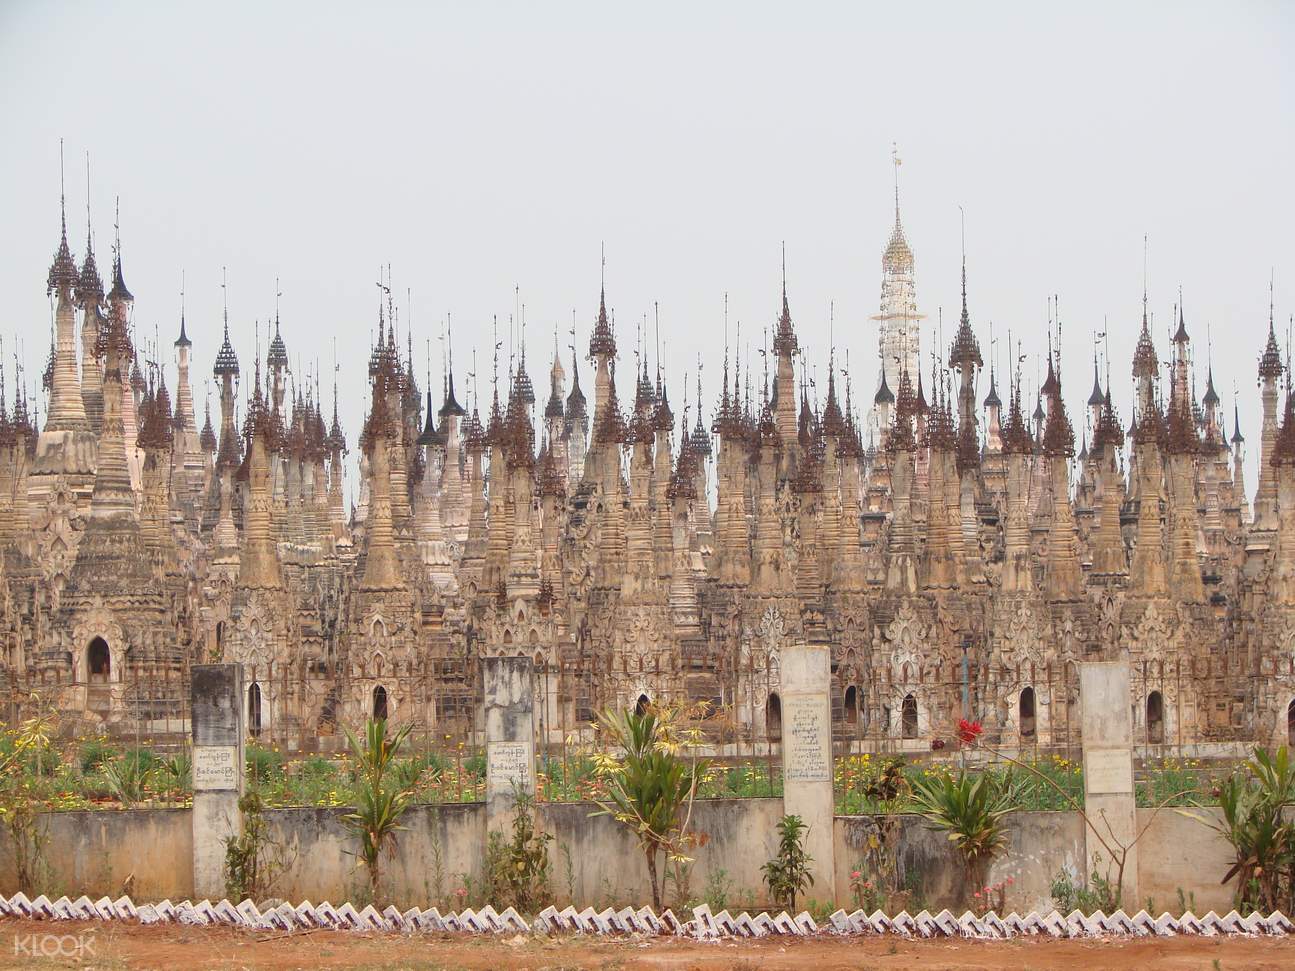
[518,870]
[418,768]
[264,765]
[970,810]
[787,874]
[126,778]
[381,799]
[1099,895]
[253,861]
[475,766]
[176,772]
[93,753]
[1254,803]
[652,788]
[142,760]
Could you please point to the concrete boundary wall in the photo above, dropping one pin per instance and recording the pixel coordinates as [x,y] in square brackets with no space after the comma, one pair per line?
[149,852]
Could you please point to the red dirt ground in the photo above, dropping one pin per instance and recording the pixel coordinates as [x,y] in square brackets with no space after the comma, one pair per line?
[121,946]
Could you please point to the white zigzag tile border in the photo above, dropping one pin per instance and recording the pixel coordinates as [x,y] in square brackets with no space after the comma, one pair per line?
[703,925]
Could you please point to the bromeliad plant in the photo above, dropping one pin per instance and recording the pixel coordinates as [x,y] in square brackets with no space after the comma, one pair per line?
[970,809]
[381,795]
[652,786]
[969,737]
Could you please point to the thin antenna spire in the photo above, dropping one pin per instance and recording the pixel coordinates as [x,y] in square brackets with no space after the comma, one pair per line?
[962,213]
[764,354]
[87,201]
[1056,302]
[656,314]
[1106,351]
[895,159]
[62,192]
[1144,279]
[831,329]
[993,353]
[494,369]
[726,325]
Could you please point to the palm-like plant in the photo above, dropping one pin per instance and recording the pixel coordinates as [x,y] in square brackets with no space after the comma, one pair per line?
[381,796]
[652,788]
[126,778]
[970,809]
[787,874]
[177,771]
[1263,841]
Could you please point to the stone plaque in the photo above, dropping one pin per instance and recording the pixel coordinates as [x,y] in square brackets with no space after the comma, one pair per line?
[806,738]
[1108,770]
[215,768]
[508,763]
[216,697]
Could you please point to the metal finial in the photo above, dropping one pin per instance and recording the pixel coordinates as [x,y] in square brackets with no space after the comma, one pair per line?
[656,315]
[87,199]
[894,155]
[1144,278]
[62,193]
[831,330]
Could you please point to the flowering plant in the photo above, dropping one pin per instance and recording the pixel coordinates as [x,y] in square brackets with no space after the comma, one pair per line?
[969,731]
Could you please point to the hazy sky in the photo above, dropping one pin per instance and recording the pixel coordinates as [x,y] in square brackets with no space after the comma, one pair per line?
[482,147]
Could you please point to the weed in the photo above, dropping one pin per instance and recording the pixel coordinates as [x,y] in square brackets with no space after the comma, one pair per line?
[718,887]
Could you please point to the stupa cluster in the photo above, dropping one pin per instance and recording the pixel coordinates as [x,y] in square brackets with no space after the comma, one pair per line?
[637,552]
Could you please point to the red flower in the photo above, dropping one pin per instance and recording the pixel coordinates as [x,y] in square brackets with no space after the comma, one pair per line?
[937,744]
[968,732]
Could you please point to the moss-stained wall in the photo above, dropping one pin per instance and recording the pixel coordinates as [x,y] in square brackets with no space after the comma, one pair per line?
[149,854]
[436,847]
[1040,846]
[606,863]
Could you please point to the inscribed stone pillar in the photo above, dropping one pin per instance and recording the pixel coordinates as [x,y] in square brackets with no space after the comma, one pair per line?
[510,736]
[1107,722]
[217,718]
[807,756]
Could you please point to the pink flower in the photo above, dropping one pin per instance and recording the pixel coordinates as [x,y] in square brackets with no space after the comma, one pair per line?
[1010,881]
[977,894]
[855,875]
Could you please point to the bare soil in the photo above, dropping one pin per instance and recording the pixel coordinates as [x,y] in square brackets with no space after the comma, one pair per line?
[88,945]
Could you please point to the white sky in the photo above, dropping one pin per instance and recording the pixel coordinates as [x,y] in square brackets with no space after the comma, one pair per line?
[478,147]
